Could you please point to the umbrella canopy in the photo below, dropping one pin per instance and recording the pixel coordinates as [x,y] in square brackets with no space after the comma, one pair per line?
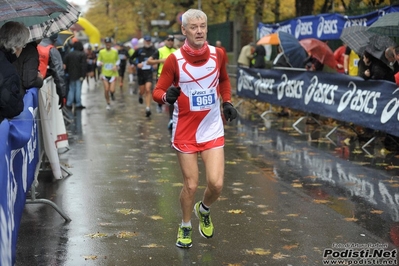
[269,39]
[11,9]
[377,46]
[387,25]
[43,17]
[356,37]
[319,50]
[293,50]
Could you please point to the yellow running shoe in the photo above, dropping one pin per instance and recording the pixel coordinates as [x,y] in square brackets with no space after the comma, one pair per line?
[184,237]
[205,222]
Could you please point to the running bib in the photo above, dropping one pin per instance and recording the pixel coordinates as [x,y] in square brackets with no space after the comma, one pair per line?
[145,65]
[108,66]
[201,100]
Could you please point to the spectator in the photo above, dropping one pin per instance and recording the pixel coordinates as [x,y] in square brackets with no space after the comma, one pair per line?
[351,60]
[13,38]
[51,64]
[226,58]
[390,56]
[312,64]
[280,60]
[246,55]
[259,57]
[373,68]
[339,55]
[75,66]
[396,55]
[27,65]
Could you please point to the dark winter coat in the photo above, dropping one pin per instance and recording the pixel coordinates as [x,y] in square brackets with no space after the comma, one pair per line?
[27,66]
[75,62]
[260,53]
[11,94]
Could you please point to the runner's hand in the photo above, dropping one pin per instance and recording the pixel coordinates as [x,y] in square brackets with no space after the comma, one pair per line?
[229,111]
[171,94]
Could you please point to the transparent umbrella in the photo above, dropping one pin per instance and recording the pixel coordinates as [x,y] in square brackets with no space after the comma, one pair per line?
[43,17]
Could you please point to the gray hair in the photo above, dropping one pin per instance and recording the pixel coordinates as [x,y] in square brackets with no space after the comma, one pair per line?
[13,35]
[191,14]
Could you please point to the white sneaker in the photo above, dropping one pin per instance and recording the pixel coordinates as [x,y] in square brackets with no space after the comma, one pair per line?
[108,107]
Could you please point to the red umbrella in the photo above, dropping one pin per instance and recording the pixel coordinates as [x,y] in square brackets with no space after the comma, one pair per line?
[319,50]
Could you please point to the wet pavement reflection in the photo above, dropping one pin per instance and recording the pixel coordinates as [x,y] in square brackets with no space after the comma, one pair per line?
[288,196]
[359,186]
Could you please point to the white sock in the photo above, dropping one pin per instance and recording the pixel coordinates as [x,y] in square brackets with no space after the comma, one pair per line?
[184,224]
[202,209]
[131,77]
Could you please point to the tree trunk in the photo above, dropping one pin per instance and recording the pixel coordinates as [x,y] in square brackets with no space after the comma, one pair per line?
[304,7]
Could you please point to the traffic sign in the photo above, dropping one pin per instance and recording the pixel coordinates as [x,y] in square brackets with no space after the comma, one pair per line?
[179,17]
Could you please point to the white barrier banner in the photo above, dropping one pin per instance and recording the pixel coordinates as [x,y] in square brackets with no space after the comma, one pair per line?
[53,127]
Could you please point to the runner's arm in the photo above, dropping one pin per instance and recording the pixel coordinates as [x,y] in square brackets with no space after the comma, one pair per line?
[224,79]
[169,77]
[154,59]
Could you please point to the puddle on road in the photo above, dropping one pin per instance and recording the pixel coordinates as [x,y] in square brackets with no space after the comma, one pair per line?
[360,184]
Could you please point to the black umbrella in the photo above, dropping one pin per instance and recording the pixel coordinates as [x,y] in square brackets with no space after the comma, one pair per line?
[293,50]
[377,46]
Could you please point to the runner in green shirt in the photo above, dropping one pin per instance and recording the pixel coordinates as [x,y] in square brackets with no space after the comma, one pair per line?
[108,59]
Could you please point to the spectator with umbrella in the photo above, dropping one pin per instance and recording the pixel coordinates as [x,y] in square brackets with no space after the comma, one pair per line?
[390,56]
[27,65]
[280,60]
[13,38]
[373,68]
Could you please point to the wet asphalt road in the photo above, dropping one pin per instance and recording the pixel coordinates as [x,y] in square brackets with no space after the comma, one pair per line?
[286,198]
